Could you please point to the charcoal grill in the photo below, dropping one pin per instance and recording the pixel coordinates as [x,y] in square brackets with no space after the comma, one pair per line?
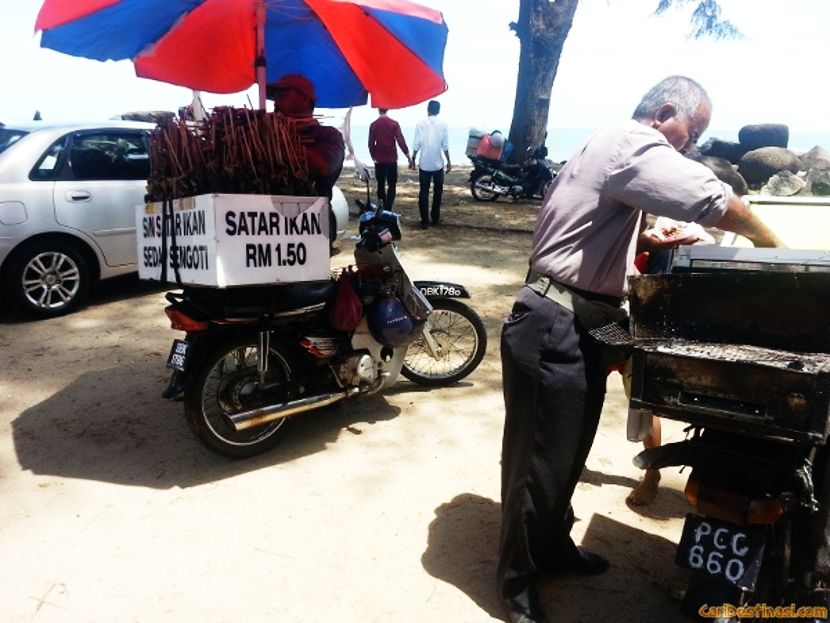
[744,348]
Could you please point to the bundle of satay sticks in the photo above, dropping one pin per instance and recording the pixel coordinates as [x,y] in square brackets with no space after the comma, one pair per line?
[233,150]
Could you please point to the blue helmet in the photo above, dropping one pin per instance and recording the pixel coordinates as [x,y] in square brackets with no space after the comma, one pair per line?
[390,324]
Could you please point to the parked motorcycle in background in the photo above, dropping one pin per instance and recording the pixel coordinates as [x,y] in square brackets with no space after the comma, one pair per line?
[254,356]
[492,178]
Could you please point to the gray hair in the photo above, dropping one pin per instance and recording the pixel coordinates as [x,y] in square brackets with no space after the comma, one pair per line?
[681,91]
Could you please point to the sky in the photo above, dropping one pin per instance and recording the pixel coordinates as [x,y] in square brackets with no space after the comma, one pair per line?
[616,50]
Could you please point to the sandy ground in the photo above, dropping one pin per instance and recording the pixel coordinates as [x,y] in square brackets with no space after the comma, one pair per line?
[384,509]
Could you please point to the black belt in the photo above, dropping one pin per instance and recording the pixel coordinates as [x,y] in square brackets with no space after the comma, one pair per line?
[614,301]
[592,313]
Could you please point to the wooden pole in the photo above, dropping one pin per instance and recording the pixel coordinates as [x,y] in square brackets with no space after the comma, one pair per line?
[260,52]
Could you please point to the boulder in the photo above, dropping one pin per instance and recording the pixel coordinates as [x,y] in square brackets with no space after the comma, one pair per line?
[764,135]
[783,184]
[727,150]
[816,158]
[727,173]
[818,182]
[758,165]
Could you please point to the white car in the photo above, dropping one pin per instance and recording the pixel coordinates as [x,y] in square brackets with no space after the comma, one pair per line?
[67,209]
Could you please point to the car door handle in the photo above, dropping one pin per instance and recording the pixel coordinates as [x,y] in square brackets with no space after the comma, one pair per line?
[77,196]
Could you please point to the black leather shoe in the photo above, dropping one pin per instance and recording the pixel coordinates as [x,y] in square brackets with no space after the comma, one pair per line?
[585,562]
[526,608]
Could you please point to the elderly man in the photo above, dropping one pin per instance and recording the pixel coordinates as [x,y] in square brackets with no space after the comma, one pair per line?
[582,252]
[294,97]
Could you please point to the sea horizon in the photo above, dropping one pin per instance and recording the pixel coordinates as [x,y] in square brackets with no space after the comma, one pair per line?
[562,143]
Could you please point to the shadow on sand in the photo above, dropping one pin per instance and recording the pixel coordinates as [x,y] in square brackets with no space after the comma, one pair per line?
[462,550]
[95,430]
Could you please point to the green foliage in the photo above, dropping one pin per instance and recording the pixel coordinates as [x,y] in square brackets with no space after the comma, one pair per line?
[706,19]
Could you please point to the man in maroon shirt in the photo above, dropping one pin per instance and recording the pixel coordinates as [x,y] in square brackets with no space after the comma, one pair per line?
[383,134]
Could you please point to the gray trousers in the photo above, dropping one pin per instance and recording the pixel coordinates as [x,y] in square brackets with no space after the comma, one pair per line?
[554,388]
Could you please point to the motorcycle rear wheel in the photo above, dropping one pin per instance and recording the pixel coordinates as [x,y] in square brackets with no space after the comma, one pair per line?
[478,187]
[227,382]
[461,339]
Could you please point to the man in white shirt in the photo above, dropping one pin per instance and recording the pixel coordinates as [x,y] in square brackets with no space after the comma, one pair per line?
[431,140]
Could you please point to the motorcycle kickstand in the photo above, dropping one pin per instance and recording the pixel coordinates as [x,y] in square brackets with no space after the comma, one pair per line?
[433,347]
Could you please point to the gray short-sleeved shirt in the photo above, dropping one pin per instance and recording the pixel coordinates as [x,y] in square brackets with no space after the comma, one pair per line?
[586,234]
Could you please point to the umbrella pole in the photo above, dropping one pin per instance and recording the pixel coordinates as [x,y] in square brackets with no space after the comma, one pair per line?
[260,51]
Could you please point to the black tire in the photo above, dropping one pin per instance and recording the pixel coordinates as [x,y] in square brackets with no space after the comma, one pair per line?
[227,382]
[48,279]
[775,576]
[462,340]
[478,186]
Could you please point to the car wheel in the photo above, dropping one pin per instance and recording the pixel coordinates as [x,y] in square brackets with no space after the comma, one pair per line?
[48,279]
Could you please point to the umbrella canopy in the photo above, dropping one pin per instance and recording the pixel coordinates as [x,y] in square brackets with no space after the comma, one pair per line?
[392,50]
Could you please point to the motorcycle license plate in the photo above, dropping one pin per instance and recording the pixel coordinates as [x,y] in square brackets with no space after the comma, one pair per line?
[178,355]
[721,550]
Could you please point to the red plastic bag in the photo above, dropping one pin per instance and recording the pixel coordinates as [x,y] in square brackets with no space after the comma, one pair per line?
[347,311]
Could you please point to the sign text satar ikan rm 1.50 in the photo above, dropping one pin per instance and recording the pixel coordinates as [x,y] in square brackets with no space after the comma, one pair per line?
[226,240]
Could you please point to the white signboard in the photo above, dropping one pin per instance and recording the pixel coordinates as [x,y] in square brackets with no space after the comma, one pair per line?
[233,240]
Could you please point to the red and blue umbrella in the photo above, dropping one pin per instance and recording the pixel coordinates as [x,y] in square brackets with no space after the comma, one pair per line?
[391,50]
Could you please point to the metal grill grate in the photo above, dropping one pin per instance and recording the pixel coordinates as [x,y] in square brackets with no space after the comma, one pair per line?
[612,334]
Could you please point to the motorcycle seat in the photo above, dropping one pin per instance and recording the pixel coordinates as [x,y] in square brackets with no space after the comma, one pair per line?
[512,168]
[275,299]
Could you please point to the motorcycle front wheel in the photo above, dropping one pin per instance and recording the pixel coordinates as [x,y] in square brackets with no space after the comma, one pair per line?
[451,347]
[226,383]
[480,186]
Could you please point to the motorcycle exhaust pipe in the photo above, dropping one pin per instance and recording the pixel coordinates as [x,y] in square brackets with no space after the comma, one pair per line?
[264,415]
[493,188]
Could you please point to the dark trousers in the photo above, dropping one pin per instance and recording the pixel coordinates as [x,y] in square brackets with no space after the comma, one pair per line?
[437,179]
[387,177]
[554,388]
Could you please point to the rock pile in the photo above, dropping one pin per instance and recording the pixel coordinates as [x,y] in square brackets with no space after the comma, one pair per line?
[760,161]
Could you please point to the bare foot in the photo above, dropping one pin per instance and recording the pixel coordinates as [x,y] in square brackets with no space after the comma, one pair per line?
[645,491]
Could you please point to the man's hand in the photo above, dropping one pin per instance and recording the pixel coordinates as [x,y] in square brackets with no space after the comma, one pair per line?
[664,238]
[744,222]
[449,167]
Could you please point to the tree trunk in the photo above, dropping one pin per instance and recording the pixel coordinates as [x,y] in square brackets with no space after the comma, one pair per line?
[542,29]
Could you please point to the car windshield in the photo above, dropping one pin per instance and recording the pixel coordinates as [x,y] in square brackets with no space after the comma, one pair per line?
[9,136]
